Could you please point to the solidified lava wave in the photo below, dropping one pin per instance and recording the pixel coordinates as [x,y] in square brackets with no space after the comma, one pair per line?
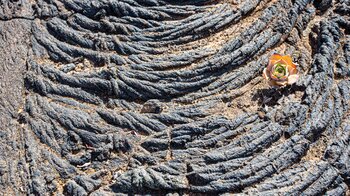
[166,97]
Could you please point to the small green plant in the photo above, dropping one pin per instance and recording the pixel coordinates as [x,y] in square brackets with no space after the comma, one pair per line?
[281,71]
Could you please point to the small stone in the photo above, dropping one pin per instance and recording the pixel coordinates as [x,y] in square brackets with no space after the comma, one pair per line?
[261,114]
[152,106]
[68,67]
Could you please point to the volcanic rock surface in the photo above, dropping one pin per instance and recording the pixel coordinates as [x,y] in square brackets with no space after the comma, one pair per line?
[159,97]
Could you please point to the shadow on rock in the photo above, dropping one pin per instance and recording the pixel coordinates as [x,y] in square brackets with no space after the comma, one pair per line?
[271,96]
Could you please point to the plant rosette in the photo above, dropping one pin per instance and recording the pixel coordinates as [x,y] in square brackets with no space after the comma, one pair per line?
[281,71]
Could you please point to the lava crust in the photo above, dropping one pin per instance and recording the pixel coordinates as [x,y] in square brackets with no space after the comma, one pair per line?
[166,97]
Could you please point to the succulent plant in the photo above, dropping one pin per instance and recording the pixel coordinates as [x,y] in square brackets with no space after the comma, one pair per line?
[281,71]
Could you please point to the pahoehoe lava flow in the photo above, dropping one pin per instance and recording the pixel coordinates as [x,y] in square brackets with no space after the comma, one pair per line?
[166,97]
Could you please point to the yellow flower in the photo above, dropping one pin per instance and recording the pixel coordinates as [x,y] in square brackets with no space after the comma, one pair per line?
[281,71]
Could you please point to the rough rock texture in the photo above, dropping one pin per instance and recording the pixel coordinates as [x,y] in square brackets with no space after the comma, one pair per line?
[115,97]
